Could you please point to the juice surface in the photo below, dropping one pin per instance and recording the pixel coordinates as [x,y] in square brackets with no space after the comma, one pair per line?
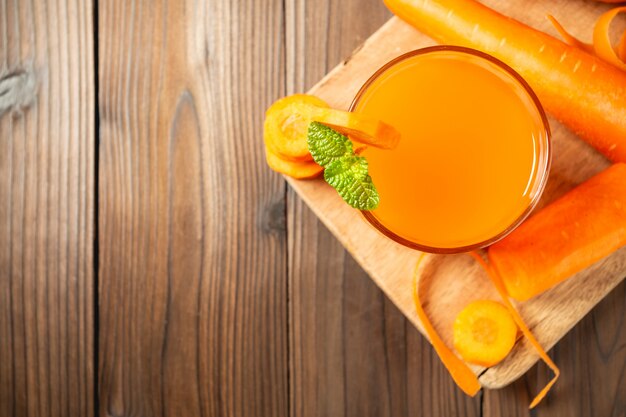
[466,166]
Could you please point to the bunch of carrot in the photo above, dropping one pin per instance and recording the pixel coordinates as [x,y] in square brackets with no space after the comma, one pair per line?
[586,93]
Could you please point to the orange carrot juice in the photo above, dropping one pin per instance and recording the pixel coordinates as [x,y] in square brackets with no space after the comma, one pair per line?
[474,153]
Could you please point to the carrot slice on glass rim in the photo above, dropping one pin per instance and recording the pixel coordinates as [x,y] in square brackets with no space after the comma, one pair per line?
[286,125]
[287,122]
[360,128]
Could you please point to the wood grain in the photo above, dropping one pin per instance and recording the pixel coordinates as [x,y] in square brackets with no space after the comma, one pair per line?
[391,265]
[193,285]
[352,353]
[220,294]
[47,95]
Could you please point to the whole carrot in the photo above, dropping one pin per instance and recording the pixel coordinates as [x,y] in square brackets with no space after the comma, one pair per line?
[578,229]
[585,93]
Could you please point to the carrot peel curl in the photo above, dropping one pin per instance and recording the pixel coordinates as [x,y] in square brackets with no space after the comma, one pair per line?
[602,42]
[602,46]
[497,282]
[460,372]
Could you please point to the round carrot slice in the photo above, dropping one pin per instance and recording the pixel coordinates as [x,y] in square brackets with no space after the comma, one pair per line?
[298,170]
[287,123]
[484,332]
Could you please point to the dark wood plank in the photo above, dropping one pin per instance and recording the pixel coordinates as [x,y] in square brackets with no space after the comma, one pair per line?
[47,96]
[193,285]
[592,358]
[352,352]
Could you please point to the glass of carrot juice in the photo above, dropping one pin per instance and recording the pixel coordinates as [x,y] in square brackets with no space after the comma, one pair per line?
[474,155]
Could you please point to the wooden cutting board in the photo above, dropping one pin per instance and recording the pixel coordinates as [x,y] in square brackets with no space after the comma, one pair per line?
[453,281]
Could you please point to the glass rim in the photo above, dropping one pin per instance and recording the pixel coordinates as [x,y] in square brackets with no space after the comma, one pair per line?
[543,166]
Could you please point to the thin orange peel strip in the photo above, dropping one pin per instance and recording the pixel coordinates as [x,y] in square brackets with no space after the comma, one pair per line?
[601,46]
[497,282]
[602,42]
[569,39]
[621,47]
[460,372]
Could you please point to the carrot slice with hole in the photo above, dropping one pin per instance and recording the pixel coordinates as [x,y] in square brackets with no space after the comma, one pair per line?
[460,372]
[601,40]
[497,282]
[360,128]
[484,332]
[287,123]
[298,170]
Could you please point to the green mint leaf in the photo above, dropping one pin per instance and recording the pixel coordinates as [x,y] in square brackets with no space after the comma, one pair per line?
[360,193]
[343,171]
[326,145]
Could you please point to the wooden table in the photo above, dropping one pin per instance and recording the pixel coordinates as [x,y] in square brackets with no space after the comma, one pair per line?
[152,265]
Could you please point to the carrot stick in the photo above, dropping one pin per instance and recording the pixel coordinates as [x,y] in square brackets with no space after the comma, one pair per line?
[573,232]
[497,282]
[582,91]
[460,372]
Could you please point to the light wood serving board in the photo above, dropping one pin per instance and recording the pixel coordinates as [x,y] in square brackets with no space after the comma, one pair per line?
[455,280]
